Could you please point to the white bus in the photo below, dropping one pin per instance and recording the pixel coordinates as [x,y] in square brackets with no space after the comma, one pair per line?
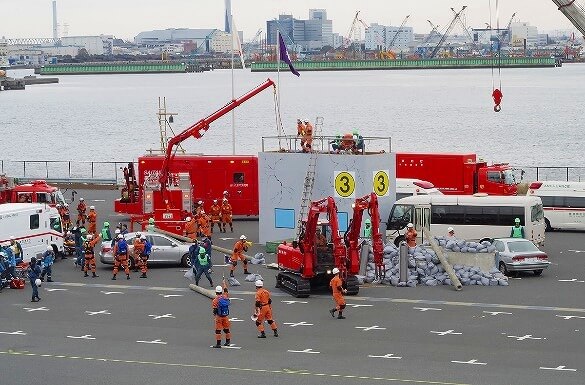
[474,217]
[34,225]
[563,202]
[406,187]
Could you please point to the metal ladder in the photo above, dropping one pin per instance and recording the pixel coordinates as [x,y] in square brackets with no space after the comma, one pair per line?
[318,134]
[308,190]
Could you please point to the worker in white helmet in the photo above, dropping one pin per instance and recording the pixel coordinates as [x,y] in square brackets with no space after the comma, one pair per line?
[226,215]
[238,255]
[451,233]
[221,311]
[190,228]
[263,312]
[338,292]
[410,235]
[47,264]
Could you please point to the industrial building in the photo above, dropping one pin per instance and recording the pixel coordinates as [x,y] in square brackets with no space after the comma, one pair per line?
[381,37]
[309,35]
[203,40]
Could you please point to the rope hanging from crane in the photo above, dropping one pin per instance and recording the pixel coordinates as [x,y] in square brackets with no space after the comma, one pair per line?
[497,92]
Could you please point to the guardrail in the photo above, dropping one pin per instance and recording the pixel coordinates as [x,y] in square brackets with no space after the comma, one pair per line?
[65,171]
[543,173]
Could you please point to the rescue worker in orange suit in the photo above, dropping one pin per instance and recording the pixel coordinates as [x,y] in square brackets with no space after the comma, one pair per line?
[143,258]
[81,212]
[204,224]
[120,252]
[138,250]
[66,217]
[410,235]
[338,291]
[92,219]
[222,322]
[215,213]
[264,310]
[238,255]
[226,215]
[88,247]
[190,228]
[497,96]
[301,131]
[348,143]
[199,207]
[307,137]
[320,243]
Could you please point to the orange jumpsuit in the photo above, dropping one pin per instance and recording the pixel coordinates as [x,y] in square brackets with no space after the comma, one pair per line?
[204,225]
[336,284]
[307,141]
[92,219]
[411,237]
[221,322]
[120,259]
[138,250]
[226,215]
[81,209]
[215,213]
[238,255]
[264,310]
[90,255]
[191,229]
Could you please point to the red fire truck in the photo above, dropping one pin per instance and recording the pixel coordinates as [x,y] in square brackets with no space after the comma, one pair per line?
[459,174]
[167,186]
[37,191]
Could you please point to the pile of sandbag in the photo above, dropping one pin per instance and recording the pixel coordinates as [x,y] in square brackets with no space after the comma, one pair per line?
[253,278]
[424,268]
[463,246]
[258,259]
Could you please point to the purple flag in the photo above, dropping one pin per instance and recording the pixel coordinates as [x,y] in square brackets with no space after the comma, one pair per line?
[284,55]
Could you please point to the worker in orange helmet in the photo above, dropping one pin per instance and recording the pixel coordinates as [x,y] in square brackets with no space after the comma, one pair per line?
[81,212]
[190,228]
[307,141]
[348,143]
[497,96]
[204,224]
[238,255]
[336,285]
[92,219]
[89,246]
[226,215]
[137,251]
[263,311]
[220,306]
[410,235]
[120,252]
[215,213]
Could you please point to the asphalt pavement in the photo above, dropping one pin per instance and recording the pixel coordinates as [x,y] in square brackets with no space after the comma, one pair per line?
[157,331]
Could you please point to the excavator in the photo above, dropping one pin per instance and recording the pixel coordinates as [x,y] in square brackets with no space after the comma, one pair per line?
[306,266]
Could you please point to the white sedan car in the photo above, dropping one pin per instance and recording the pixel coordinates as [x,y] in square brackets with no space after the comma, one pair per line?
[164,250]
[517,254]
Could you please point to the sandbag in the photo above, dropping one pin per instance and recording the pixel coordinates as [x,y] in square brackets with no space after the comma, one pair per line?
[233,282]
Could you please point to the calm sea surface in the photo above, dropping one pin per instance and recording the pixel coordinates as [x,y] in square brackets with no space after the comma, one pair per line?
[113,117]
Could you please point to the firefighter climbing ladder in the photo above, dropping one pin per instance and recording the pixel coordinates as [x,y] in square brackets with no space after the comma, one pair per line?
[307,191]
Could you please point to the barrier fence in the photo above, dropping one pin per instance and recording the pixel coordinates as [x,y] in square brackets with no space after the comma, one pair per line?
[112,172]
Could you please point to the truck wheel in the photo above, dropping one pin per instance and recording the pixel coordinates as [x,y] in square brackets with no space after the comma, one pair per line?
[548,226]
[398,239]
[503,269]
[538,272]
[186,261]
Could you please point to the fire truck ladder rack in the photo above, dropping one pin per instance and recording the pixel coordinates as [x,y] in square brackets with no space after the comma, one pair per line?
[307,191]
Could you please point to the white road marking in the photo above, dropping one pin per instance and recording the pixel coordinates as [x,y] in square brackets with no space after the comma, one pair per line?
[52,289]
[152,342]
[85,337]
[357,305]
[389,355]
[236,319]
[571,280]
[31,309]
[16,333]
[577,251]
[368,328]
[97,312]
[295,324]
[427,308]
[111,292]
[526,337]
[231,346]
[290,302]
[226,239]
[567,317]
[308,351]
[446,332]
[237,299]
[497,312]
[98,200]
[155,316]
[170,295]
[470,362]
[560,368]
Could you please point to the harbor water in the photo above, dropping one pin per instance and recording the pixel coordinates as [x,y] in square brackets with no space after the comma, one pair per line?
[113,117]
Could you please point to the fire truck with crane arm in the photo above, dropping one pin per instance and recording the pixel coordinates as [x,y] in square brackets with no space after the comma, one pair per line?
[304,267]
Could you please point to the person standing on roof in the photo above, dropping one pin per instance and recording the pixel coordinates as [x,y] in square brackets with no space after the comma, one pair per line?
[517,229]
[92,219]
[410,235]
[215,213]
[220,306]
[336,144]
[81,212]
[105,234]
[47,264]
[451,233]
[367,228]
[359,140]
[89,246]
[226,215]
[301,131]
[336,285]
[307,142]
[263,312]
[238,255]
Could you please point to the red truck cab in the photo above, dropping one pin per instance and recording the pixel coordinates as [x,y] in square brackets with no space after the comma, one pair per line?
[37,191]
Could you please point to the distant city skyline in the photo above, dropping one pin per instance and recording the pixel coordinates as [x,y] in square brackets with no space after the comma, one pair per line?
[125,19]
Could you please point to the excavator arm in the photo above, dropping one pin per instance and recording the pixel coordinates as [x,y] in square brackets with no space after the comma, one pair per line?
[198,129]
[574,12]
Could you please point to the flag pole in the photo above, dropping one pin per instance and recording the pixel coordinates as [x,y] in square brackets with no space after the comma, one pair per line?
[233,95]
[278,75]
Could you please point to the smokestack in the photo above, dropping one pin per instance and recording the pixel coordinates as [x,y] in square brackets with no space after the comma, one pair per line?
[228,14]
[55,33]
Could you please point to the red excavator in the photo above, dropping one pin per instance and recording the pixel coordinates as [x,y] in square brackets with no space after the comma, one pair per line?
[307,263]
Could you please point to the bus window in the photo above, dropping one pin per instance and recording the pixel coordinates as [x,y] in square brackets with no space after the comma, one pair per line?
[574,202]
[58,198]
[56,224]
[400,216]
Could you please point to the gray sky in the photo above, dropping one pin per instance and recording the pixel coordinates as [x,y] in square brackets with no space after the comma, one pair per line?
[126,18]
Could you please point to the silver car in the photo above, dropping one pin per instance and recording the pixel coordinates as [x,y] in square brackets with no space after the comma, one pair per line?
[517,254]
[164,250]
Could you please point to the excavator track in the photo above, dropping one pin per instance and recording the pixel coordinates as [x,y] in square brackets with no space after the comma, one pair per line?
[293,284]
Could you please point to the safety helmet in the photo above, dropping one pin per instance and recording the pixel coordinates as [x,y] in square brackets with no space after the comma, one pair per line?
[200,202]
[49,248]
[92,207]
[355,132]
[242,236]
[81,199]
[188,219]
[410,225]
[120,236]
[58,205]
[66,205]
[368,221]
[12,238]
[202,211]
[106,224]
[225,192]
[306,121]
[138,235]
[218,289]
[117,231]
[215,201]
[89,236]
[259,283]
[450,229]
[517,220]
[335,270]
[299,121]
[83,230]
[151,221]
[143,237]
[202,251]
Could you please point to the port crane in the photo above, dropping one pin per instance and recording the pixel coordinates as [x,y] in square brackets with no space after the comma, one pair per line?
[391,44]
[574,12]
[447,32]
